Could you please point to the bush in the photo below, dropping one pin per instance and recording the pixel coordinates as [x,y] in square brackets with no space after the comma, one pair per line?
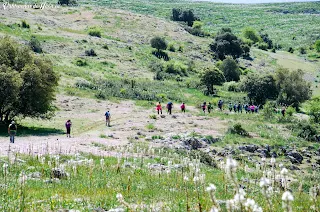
[263,46]
[251,34]
[305,130]
[268,111]
[67,2]
[175,68]
[317,45]
[153,116]
[35,45]
[24,24]
[95,31]
[171,48]
[302,50]
[232,86]
[105,46]
[90,52]
[238,129]
[290,111]
[100,95]
[81,62]
[291,50]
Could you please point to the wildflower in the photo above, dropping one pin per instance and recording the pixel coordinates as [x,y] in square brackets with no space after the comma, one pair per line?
[287,196]
[185,178]
[102,163]
[231,164]
[264,182]
[214,209]
[5,167]
[119,197]
[22,178]
[272,161]
[211,188]
[284,172]
[196,179]
[286,199]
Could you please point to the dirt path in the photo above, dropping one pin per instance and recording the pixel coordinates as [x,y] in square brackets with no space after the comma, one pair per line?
[90,135]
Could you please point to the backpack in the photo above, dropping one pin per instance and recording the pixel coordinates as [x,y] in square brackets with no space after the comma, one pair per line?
[107,114]
[13,127]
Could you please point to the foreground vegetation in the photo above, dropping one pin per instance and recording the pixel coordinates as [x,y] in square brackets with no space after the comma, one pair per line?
[143,178]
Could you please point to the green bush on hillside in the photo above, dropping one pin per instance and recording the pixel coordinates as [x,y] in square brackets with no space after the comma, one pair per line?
[95,31]
[317,45]
[24,24]
[35,45]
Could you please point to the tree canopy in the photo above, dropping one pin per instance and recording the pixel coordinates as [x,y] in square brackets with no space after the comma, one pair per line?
[27,82]
[260,88]
[211,76]
[184,15]
[226,44]
[230,69]
[158,43]
[293,89]
[251,34]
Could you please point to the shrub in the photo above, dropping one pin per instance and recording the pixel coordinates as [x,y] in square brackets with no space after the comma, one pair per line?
[238,129]
[268,111]
[263,46]
[232,86]
[204,157]
[291,50]
[171,48]
[105,46]
[175,68]
[35,45]
[24,24]
[317,45]
[67,2]
[305,130]
[90,52]
[100,95]
[81,62]
[302,50]
[95,31]
[153,116]
[290,111]
[251,34]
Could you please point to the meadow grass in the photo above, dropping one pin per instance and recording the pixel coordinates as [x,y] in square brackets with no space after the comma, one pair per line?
[152,179]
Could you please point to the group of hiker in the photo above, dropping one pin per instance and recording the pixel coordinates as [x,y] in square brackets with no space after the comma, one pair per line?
[237,108]
[208,107]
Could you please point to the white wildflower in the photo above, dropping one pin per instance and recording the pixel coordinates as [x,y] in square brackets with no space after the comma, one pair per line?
[284,172]
[287,196]
[186,178]
[119,197]
[272,161]
[264,182]
[214,209]
[22,178]
[211,187]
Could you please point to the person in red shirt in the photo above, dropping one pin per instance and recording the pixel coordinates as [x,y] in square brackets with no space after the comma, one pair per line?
[159,108]
[183,108]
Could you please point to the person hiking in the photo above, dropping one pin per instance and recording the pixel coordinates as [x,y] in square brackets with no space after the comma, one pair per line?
[183,108]
[108,116]
[239,107]
[220,103]
[210,107]
[159,108]
[203,106]
[283,111]
[12,131]
[169,107]
[246,108]
[68,127]
[252,107]
[230,107]
[235,106]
